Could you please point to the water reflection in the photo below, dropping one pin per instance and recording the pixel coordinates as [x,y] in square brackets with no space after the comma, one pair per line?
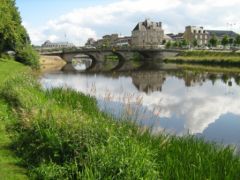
[174,100]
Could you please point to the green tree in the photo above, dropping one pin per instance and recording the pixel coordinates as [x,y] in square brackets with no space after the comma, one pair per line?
[27,55]
[231,41]
[237,40]
[213,41]
[175,44]
[12,34]
[225,40]
[168,44]
[184,43]
[195,43]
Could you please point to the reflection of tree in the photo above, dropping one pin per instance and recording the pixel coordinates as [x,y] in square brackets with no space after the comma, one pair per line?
[193,78]
[213,78]
[229,83]
[237,80]
[225,78]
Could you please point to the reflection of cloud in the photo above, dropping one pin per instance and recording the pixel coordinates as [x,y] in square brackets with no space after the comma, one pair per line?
[197,107]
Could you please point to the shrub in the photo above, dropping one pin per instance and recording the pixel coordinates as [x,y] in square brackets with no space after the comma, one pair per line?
[28,56]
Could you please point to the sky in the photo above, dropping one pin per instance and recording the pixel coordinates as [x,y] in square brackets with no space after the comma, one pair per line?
[77,20]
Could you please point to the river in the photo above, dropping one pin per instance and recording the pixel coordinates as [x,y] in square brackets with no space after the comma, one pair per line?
[166,98]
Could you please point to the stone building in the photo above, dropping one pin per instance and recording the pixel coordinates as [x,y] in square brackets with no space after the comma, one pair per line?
[107,41]
[49,44]
[147,34]
[193,33]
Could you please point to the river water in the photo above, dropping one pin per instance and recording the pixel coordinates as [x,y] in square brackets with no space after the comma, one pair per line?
[166,98]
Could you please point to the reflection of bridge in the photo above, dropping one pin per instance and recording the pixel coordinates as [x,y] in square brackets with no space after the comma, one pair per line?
[122,54]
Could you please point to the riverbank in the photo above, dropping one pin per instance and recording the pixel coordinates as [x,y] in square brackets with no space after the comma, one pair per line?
[61,134]
[9,162]
[206,58]
[49,63]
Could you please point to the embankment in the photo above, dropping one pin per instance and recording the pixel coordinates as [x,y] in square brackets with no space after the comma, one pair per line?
[61,134]
[206,58]
[50,63]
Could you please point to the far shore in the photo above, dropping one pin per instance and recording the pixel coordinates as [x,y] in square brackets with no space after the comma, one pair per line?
[50,63]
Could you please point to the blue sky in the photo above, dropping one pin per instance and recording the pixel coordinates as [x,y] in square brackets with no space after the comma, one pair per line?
[75,20]
[39,11]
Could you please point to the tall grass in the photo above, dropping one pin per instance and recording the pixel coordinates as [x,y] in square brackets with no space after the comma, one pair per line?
[61,134]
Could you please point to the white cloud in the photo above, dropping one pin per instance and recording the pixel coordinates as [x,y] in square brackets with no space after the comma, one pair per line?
[121,16]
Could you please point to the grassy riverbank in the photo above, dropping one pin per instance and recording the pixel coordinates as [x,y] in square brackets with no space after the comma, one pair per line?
[206,57]
[61,134]
[9,162]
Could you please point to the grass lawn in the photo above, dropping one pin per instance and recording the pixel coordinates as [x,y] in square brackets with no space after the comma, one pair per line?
[9,163]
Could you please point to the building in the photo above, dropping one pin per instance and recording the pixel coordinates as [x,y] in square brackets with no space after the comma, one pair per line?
[107,41]
[147,34]
[49,44]
[176,37]
[123,41]
[219,34]
[193,33]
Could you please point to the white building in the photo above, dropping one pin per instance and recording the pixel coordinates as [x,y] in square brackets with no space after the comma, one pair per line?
[49,44]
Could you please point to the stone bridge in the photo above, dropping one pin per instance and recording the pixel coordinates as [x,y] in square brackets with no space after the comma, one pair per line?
[123,55]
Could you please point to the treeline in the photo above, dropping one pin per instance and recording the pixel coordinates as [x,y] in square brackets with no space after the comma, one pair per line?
[13,35]
[213,42]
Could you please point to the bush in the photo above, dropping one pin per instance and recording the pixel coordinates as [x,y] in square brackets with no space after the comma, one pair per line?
[28,56]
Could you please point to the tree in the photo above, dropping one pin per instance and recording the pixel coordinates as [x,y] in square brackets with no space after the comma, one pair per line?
[184,43]
[175,44]
[28,56]
[195,43]
[231,41]
[12,34]
[168,44]
[213,41]
[225,40]
[237,40]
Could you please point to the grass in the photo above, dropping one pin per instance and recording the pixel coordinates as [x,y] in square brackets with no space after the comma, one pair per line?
[9,163]
[206,57]
[209,68]
[61,134]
